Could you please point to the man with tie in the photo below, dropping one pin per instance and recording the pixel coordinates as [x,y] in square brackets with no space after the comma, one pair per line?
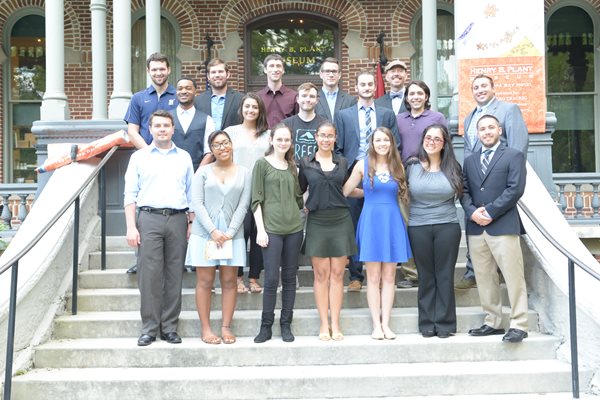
[494,181]
[395,76]
[514,135]
[332,98]
[192,126]
[219,101]
[354,126]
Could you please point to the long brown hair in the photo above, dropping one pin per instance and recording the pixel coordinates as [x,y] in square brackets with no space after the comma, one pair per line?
[289,155]
[261,121]
[393,161]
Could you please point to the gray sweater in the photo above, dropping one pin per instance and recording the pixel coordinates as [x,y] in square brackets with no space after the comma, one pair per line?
[209,199]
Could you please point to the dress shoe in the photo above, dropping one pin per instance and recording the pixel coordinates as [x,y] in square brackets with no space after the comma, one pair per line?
[171,337]
[407,284]
[486,330]
[428,334]
[132,270]
[514,336]
[465,283]
[354,286]
[443,334]
[145,340]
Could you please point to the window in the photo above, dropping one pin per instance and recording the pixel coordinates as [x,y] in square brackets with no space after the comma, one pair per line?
[571,89]
[303,40]
[446,60]
[27,86]
[169,46]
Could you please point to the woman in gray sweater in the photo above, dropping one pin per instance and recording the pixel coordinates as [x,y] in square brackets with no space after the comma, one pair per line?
[220,198]
[434,183]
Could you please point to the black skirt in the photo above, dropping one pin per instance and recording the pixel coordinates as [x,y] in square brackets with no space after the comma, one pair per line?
[329,233]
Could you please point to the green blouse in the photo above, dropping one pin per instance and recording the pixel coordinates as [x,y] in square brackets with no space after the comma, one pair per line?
[278,193]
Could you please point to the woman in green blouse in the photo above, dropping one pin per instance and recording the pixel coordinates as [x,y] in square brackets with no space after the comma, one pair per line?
[276,204]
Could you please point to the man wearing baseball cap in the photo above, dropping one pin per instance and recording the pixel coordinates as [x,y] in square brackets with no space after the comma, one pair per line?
[395,75]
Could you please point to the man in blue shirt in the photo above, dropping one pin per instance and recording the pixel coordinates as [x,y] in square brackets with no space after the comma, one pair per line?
[160,95]
[157,198]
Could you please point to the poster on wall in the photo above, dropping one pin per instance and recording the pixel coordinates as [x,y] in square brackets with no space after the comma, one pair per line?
[503,39]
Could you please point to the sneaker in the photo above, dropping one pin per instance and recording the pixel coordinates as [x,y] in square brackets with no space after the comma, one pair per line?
[465,284]
[354,286]
[407,284]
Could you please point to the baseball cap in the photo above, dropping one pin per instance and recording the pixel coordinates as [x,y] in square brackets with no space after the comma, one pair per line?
[395,63]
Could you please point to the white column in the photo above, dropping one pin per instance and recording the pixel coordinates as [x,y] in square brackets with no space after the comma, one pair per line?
[429,24]
[119,100]
[99,76]
[54,105]
[152,28]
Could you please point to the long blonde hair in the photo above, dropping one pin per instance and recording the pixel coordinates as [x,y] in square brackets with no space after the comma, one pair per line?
[393,161]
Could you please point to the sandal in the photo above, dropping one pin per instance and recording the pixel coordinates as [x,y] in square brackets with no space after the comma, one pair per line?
[211,339]
[227,338]
[241,286]
[255,286]
[324,336]
[337,336]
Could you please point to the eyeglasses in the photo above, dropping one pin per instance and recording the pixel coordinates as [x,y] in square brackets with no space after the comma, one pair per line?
[328,137]
[436,140]
[223,145]
[330,71]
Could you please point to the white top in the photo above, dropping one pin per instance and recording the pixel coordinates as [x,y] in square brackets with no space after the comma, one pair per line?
[245,151]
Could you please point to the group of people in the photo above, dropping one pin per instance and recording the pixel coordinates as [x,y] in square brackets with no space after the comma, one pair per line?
[225,180]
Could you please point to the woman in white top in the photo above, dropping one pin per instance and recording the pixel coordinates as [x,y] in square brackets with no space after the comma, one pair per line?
[250,142]
[220,198]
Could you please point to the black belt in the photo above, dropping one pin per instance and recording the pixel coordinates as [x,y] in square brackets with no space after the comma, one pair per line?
[163,211]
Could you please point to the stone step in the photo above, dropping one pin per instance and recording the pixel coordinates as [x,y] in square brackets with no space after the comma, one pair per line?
[117,278]
[125,258]
[314,381]
[129,299]
[306,350]
[354,321]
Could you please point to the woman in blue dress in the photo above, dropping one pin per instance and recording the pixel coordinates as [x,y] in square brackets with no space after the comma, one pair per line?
[381,233]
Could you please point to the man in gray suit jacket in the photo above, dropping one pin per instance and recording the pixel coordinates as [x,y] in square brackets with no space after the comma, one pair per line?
[514,135]
[494,181]
[352,140]
[332,99]
[220,101]
[395,76]
[192,126]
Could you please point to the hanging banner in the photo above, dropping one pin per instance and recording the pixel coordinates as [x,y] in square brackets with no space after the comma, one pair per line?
[503,39]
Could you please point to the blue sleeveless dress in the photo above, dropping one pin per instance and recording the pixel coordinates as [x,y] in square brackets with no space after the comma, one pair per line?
[381,234]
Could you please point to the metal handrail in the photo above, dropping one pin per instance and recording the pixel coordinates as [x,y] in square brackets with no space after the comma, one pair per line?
[572,261]
[13,264]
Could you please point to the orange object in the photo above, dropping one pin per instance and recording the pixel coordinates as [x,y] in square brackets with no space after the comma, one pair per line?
[85,151]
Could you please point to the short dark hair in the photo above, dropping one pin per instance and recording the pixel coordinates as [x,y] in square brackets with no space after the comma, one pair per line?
[332,60]
[272,57]
[158,57]
[365,71]
[186,78]
[488,116]
[423,86]
[489,78]
[162,114]
[216,61]
[308,86]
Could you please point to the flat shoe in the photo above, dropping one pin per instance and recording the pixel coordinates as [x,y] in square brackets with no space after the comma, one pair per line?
[324,336]
[428,334]
[145,340]
[337,336]
[241,286]
[212,339]
[514,336]
[389,335]
[377,335]
[443,335]
[229,339]
[486,330]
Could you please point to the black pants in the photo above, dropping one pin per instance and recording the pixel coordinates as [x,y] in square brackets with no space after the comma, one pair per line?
[435,249]
[282,251]
[255,259]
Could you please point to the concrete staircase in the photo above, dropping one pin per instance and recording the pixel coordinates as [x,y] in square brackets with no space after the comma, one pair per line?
[94,355]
